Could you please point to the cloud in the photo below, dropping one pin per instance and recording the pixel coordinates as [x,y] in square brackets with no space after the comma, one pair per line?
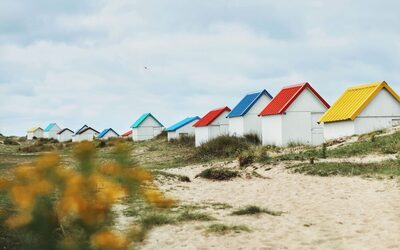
[76,62]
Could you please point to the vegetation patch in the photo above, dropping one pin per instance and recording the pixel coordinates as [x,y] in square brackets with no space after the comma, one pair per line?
[219,228]
[186,141]
[385,168]
[182,178]
[252,210]
[151,220]
[194,216]
[252,138]
[221,147]
[219,174]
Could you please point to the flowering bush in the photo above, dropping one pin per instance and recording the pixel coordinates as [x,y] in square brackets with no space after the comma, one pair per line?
[66,207]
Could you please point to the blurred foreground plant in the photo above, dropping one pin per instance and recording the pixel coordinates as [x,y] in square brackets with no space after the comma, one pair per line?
[71,208]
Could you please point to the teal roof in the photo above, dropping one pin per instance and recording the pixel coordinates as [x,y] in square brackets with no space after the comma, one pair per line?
[143,118]
[49,127]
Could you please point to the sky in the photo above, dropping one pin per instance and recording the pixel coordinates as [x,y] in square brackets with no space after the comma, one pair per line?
[104,63]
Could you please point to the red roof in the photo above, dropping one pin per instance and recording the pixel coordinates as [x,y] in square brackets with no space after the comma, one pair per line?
[282,101]
[127,133]
[210,117]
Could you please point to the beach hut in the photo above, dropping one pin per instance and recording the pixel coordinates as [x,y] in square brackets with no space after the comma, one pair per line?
[127,134]
[182,128]
[107,134]
[362,109]
[85,133]
[244,119]
[212,125]
[292,117]
[36,132]
[50,132]
[65,135]
[146,128]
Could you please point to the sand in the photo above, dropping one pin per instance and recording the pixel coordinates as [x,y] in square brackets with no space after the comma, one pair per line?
[319,212]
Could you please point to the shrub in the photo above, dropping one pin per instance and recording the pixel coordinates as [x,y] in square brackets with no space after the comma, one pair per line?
[251,210]
[186,140]
[163,135]
[224,229]
[263,156]
[253,138]
[219,174]
[323,150]
[246,158]
[222,146]
[9,141]
[194,216]
[71,207]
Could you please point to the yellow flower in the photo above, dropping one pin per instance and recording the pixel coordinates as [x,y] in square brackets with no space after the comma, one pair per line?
[18,220]
[47,161]
[139,174]
[22,196]
[156,198]
[84,150]
[109,240]
[110,169]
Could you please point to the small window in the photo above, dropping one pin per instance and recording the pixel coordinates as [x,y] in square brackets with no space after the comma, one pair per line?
[183,134]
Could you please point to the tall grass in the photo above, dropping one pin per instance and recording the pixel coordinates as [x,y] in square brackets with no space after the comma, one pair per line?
[221,147]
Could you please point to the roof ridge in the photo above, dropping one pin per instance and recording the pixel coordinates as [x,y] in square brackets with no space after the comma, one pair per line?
[295,85]
[367,85]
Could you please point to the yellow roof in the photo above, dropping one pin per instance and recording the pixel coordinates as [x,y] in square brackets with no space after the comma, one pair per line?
[34,129]
[354,100]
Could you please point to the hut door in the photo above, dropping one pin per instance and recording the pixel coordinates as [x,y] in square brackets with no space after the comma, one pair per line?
[317,130]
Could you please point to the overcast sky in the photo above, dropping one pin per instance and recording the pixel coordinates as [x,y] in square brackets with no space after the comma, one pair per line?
[78,62]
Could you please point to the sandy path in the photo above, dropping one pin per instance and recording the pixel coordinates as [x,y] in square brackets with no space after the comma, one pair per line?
[321,213]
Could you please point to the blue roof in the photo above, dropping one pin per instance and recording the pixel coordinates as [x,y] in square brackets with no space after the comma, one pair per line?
[246,103]
[49,127]
[143,118]
[182,123]
[105,131]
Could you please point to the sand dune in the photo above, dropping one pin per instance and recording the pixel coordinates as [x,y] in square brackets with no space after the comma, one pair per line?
[320,212]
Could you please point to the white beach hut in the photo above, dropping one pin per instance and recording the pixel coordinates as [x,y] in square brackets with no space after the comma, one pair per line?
[107,134]
[292,117]
[50,132]
[36,132]
[146,127]
[85,133]
[244,119]
[65,135]
[212,125]
[182,128]
[362,109]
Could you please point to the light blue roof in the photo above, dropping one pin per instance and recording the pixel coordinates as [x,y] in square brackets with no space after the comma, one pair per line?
[246,103]
[105,131]
[182,123]
[49,127]
[143,118]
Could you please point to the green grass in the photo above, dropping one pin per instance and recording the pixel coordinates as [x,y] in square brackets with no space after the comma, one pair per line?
[182,178]
[388,144]
[253,210]
[220,174]
[219,228]
[388,168]
[157,219]
[194,216]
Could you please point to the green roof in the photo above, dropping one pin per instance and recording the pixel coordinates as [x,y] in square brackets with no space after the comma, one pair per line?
[143,118]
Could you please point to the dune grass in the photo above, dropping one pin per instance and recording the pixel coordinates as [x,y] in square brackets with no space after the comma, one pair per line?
[388,168]
[253,210]
[222,229]
[219,174]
